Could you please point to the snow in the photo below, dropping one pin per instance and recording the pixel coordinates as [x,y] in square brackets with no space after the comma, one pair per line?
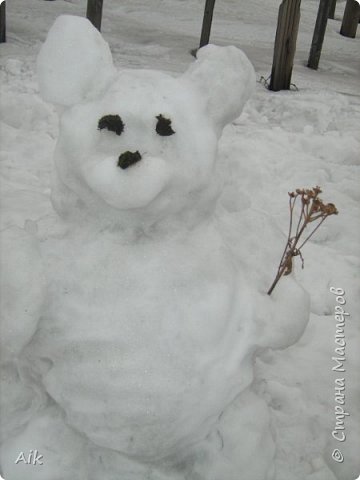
[22,290]
[80,68]
[186,398]
[140,97]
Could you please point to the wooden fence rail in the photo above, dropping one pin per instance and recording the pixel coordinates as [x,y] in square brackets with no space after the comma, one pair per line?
[350,19]
[94,12]
[332,9]
[319,34]
[285,45]
[3,22]
[207,21]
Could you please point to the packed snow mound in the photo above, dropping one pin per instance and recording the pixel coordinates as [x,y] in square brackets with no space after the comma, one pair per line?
[152,313]
[74,63]
[45,462]
[22,290]
[144,341]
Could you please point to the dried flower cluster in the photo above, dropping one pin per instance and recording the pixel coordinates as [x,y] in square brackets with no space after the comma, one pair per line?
[312,209]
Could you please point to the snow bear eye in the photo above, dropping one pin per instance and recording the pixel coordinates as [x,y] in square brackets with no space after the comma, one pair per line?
[163,126]
[113,123]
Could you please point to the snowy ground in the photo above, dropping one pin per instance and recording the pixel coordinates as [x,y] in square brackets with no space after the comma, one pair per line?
[282,141]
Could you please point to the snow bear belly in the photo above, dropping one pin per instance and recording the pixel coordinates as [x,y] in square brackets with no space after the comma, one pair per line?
[142,351]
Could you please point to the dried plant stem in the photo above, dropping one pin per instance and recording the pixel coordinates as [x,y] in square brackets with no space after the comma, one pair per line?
[277,278]
[312,209]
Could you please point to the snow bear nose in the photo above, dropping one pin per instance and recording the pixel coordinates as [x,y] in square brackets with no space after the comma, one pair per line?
[128,158]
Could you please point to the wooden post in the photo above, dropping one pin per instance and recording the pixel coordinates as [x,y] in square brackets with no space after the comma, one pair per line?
[207,20]
[350,19]
[94,12]
[319,34]
[285,45]
[332,9]
[2,23]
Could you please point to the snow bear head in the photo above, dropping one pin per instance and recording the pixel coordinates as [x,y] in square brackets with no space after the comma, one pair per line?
[137,146]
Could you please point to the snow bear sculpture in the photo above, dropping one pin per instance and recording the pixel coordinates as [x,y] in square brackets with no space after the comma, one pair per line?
[146,332]
[144,323]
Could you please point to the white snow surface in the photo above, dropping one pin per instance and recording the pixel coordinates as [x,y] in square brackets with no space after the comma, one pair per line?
[80,68]
[137,339]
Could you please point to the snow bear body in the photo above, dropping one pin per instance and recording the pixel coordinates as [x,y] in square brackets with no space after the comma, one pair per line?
[143,336]
[122,335]
[147,324]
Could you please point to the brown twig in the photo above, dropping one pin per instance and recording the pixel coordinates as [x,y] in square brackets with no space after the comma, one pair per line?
[312,209]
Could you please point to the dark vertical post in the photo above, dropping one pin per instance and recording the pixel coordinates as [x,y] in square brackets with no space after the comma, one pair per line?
[2,23]
[332,9]
[94,12]
[319,34]
[350,19]
[285,45]
[207,20]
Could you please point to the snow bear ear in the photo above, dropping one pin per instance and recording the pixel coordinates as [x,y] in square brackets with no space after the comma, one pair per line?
[227,79]
[74,63]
